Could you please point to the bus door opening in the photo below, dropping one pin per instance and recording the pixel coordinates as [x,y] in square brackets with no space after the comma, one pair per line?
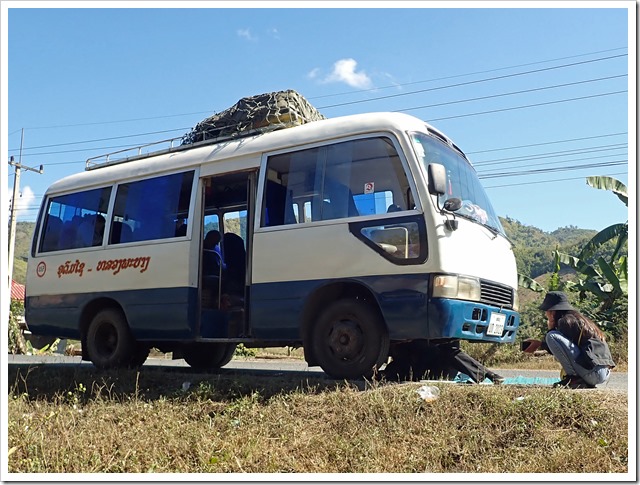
[224,256]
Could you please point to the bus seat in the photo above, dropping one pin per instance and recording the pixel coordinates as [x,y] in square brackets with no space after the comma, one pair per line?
[120,233]
[126,234]
[85,231]
[341,197]
[68,234]
[235,257]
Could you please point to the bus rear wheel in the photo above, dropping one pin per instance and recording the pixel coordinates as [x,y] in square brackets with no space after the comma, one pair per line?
[109,341]
[205,356]
[349,340]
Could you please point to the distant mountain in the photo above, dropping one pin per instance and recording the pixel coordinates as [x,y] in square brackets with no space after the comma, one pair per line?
[24,232]
[533,246]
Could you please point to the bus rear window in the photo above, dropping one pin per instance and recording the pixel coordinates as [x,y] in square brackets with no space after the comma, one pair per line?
[75,220]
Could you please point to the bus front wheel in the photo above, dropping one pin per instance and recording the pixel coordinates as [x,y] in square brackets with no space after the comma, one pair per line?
[350,340]
[109,341]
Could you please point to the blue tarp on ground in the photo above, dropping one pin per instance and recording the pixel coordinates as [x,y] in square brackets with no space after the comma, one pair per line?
[518,380]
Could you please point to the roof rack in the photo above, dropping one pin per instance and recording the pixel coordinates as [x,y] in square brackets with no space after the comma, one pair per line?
[107,159]
[250,116]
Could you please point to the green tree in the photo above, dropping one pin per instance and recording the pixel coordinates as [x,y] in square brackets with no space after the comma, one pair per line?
[606,280]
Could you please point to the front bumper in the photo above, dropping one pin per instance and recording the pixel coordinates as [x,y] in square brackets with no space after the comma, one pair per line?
[469,320]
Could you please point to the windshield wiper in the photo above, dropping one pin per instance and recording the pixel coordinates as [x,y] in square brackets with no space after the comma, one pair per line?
[491,229]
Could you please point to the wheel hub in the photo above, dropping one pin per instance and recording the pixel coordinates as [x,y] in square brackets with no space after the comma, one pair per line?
[346,340]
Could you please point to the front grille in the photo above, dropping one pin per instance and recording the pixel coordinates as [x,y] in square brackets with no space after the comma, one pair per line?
[496,294]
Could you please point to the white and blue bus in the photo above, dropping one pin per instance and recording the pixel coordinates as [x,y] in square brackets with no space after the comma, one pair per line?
[342,236]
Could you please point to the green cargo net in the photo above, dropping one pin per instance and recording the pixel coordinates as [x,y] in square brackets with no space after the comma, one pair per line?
[255,114]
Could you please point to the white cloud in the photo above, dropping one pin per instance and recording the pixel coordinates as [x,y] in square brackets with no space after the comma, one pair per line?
[314,73]
[25,202]
[246,34]
[344,71]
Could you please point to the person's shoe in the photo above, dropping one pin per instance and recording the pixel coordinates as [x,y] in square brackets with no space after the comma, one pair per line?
[579,383]
[565,381]
[497,379]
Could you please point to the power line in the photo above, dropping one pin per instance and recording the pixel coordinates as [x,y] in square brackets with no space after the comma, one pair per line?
[495,78]
[526,106]
[86,149]
[465,75]
[492,96]
[581,159]
[547,181]
[117,121]
[330,95]
[100,139]
[358,101]
[557,169]
[547,143]
[406,109]
[554,142]
[563,153]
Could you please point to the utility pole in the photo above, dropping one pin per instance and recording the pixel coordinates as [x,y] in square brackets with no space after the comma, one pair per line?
[16,190]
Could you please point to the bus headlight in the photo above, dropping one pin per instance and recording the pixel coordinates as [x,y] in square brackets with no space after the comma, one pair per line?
[458,287]
[516,300]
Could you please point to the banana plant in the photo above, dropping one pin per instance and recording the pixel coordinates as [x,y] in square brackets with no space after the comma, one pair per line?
[529,283]
[607,280]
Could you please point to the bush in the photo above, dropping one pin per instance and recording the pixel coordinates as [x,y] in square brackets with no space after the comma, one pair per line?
[17,342]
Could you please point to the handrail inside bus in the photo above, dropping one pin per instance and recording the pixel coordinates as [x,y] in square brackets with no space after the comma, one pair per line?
[105,160]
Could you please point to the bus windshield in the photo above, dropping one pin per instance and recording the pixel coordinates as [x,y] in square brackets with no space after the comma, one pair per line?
[462,180]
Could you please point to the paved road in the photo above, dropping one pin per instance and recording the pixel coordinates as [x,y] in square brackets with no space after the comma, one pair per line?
[298,368]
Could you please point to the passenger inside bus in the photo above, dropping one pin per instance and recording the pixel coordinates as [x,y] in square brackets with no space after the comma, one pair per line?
[98,230]
[212,256]
[69,234]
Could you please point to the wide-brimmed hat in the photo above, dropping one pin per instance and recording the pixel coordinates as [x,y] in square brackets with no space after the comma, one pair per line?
[555,300]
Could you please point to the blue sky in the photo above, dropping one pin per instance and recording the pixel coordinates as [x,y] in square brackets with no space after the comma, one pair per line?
[73,75]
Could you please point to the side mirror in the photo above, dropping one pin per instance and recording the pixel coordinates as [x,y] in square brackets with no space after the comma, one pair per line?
[437,179]
[452,204]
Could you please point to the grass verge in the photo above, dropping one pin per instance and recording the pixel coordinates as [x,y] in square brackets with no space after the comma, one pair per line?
[75,419]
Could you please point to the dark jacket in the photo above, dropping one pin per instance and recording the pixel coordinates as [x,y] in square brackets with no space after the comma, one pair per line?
[593,350]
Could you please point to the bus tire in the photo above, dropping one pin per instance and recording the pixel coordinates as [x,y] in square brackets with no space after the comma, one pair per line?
[350,340]
[109,341]
[205,356]
[228,355]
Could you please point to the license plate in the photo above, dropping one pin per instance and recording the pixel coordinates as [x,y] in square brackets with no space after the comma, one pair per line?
[496,324]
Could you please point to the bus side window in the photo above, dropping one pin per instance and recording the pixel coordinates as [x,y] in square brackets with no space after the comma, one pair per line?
[75,220]
[336,181]
[153,205]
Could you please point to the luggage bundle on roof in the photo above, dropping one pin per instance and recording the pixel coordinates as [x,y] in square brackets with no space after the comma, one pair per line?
[253,114]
